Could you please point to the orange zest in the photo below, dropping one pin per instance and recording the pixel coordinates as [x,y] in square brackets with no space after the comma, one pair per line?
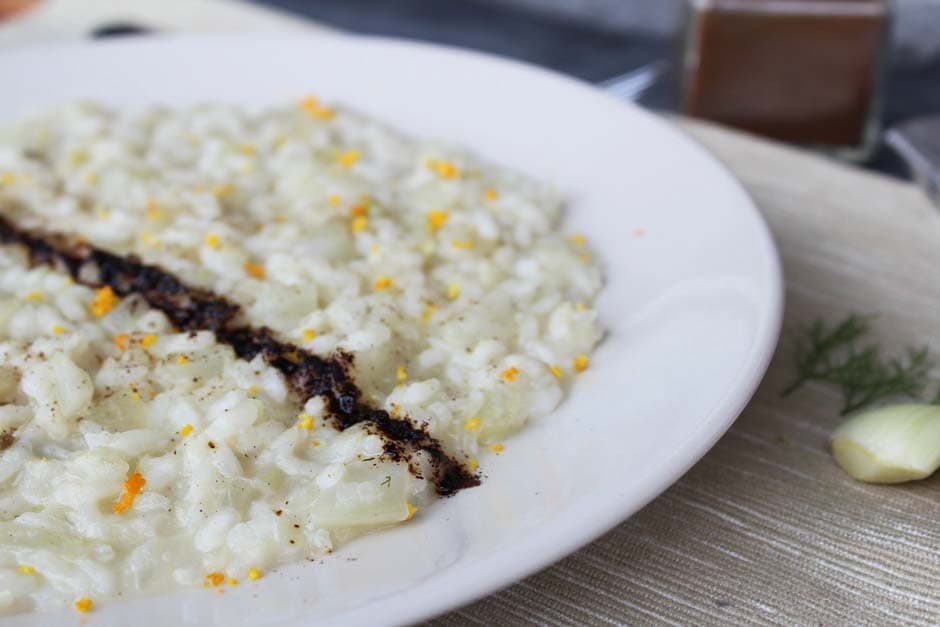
[254,270]
[312,107]
[121,340]
[359,210]
[104,301]
[132,487]
[437,219]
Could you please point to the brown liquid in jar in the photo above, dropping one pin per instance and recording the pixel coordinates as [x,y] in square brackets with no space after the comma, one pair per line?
[802,71]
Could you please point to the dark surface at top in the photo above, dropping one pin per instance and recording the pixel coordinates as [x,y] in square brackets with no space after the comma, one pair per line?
[581,50]
[577,49]
[590,52]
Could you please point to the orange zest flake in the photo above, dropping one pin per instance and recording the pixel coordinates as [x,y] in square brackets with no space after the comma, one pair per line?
[84,605]
[305,421]
[247,149]
[148,340]
[580,363]
[153,213]
[215,579]
[254,270]
[490,194]
[132,487]
[308,103]
[26,569]
[308,335]
[182,360]
[412,510]
[232,581]
[509,374]
[453,291]
[148,238]
[254,573]
[497,448]
[472,463]
[348,158]
[401,374]
[312,107]
[34,296]
[185,430]
[359,210]
[382,283]
[556,371]
[334,200]
[577,239]
[437,219]
[122,340]
[472,424]
[104,301]
[359,224]
[212,240]
[428,311]
[58,329]
[223,190]
[462,244]
[444,169]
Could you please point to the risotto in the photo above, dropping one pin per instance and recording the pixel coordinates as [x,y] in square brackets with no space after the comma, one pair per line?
[232,340]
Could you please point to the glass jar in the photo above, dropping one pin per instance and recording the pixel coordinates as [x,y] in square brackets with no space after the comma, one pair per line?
[807,72]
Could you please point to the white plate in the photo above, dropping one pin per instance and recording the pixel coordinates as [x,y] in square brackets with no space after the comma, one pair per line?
[692,307]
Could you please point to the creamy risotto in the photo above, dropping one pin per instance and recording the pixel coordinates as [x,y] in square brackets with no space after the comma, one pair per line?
[144,450]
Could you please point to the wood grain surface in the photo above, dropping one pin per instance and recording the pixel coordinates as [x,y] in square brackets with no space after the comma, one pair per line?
[765,529]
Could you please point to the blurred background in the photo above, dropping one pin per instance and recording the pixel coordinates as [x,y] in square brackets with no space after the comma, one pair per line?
[599,40]
[856,79]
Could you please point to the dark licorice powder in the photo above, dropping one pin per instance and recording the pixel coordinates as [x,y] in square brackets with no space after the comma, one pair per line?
[196,309]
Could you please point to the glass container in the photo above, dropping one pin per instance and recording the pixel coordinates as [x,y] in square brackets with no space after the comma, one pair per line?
[807,72]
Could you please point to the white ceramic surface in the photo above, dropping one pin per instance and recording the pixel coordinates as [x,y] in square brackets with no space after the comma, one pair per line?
[692,307]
